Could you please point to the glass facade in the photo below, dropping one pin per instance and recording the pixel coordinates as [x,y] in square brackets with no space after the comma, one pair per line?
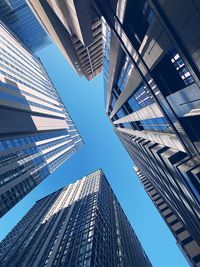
[181,67]
[125,74]
[82,224]
[19,18]
[139,100]
[106,54]
[152,100]
[38,134]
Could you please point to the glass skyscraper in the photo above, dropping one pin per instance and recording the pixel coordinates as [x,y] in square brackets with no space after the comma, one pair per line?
[152,92]
[37,134]
[81,224]
[19,18]
[152,89]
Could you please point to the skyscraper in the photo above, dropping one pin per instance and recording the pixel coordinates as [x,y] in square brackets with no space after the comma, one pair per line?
[82,224]
[36,133]
[19,18]
[76,29]
[185,241]
[152,98]
[152,89]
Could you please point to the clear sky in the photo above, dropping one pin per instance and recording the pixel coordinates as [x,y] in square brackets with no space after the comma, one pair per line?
[85,102]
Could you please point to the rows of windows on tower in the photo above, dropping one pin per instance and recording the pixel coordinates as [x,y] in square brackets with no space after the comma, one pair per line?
[149,53]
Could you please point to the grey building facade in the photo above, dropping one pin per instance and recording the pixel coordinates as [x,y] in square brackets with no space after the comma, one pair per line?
[76,29]
[82,224]
[151,79]
[185,241]
[37,134]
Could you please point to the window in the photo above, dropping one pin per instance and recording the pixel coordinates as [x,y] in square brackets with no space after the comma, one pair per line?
[137,19]
[113,101]
[171,74]
[156,124]
[181,68]
[124,75]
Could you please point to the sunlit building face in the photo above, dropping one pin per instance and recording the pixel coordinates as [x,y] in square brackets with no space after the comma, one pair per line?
[82,224]
[37,133]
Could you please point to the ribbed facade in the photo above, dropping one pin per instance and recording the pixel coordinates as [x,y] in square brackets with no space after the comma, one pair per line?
[82,224]
[90,57]
[185,241]
[152,91]
[76,30]
[37,134]
[19,18]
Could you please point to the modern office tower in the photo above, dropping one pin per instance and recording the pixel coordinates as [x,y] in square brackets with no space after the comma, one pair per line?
[81,224]
[189,249]
[151,69]
[19,18]
[76,29]
[36,132]
[151,77]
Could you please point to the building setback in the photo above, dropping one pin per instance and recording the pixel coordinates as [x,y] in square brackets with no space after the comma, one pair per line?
[82,224]
[37,134]
[152,89]
[19,18]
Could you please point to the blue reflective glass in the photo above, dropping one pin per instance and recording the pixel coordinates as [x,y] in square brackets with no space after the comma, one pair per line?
[121,114]
[180,67]
[127,125]
[18,17]
[125,73]
[156,124]
[106,55]
[141,98]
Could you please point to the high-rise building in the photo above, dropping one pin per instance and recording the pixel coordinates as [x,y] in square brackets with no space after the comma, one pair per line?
[152,92]
[36,133]
[19,18]
[76,29]
[151,67]
[81,224]
[185,241]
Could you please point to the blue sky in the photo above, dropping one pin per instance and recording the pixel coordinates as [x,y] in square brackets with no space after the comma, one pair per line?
[85,102]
